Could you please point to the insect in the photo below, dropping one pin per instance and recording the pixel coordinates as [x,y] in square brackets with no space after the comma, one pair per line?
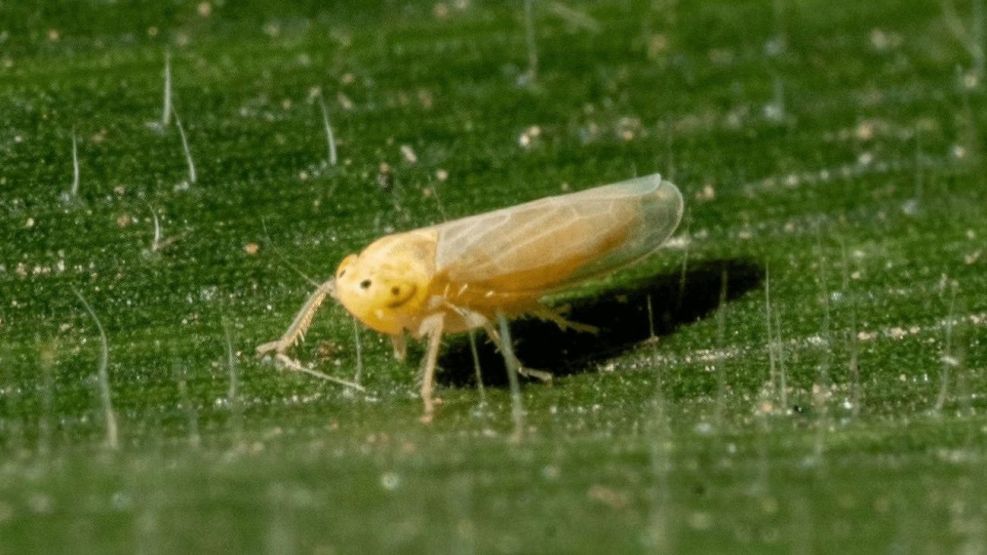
[465,274]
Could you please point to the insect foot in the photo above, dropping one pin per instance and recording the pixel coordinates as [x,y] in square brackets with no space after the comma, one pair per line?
[541,375]
[266,348]
[286,362]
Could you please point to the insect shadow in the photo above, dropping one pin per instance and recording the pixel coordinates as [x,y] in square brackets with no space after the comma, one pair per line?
[621,316]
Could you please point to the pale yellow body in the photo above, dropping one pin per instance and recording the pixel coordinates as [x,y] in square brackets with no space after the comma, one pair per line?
[462,274]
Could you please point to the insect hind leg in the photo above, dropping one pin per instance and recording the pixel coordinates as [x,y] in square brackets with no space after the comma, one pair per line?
[508,354]
[553,315]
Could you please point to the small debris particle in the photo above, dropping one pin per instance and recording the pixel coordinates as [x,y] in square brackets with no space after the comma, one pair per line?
[528,137]
[628,128]
[866,336]
[124,220]
[251,248]
[882,41]
[384,177]
[865,131]
[390,481]
[425,99]
[409,154]
[769,505]
[657,45]
[700,520]
[54,35]
[40,503]
[328,350]
[441,174]
[971,80]
[344,101]
[204,9]
[271,29]
[29,223]
[608,496]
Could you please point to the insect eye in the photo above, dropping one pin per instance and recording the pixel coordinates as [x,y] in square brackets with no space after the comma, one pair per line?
[365,284]
[395,290]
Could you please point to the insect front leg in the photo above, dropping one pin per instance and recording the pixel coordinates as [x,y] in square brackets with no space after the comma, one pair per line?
[302,321]
[432,328]
[400,344]
[296,332]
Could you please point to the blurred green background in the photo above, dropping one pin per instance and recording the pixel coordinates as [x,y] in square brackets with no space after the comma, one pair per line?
[810,377]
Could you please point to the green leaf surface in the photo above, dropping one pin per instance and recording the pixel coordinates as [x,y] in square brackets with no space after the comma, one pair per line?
[801,369]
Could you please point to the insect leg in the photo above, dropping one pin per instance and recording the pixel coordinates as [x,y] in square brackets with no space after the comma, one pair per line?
[555,316]
[432,327]
[295,366]
[296,331]
[476,367]
[513,368]
[400,345]
[301,322]
[511,358]
[473,320]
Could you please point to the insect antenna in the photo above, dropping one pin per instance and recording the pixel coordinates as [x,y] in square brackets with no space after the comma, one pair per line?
[284,260]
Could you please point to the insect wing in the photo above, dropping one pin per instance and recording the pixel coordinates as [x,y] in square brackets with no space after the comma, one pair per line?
[556,241]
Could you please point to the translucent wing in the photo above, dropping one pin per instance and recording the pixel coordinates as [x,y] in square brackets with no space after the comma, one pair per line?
[556,241]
